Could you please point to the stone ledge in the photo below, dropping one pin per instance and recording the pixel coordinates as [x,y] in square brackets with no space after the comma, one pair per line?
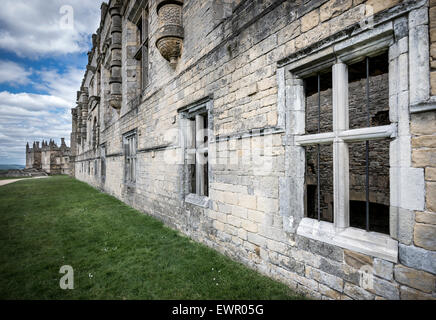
[425,106]
[197,200]
[370,243]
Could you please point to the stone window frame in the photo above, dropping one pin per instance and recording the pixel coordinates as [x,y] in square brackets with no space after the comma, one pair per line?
[341,136]
[199,108]
[128,137]
[142,53]
[407,188]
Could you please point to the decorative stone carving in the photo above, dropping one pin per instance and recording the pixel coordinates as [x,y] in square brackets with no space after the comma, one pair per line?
[170,34]
[83,103]
[75,136]
[115,80]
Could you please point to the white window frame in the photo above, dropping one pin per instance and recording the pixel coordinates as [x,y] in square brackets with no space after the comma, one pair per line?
[406,183]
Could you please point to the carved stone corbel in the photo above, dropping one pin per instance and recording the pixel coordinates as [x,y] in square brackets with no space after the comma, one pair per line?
[170,33]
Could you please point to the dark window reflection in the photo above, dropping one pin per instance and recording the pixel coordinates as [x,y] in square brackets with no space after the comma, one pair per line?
[379,188]
[325,116]
[325,184]
[378,93]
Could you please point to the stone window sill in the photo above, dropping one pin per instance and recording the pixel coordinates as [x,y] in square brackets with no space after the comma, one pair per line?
[370,243]
[130,186]
[197,200]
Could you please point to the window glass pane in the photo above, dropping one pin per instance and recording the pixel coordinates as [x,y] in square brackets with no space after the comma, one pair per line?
[324,184]
[378,92]
[322,118]
[379,188]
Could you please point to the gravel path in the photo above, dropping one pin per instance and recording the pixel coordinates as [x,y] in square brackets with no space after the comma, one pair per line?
[5,182]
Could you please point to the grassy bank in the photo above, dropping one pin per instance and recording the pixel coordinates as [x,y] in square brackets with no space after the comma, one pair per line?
[116,252]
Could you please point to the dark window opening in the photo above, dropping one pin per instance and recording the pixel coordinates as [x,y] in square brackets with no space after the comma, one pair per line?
[198,153]
[193,179]
[369,100]
[370,184]
[139,26]
[103,164]
[319,182]
[130,146]
[378,219]
[319,103]
[142,52]
[311,201]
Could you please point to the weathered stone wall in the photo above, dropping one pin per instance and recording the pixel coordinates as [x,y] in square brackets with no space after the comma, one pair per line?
[233,60]
[432,27]
[54,159]
[33,156]
[423,128]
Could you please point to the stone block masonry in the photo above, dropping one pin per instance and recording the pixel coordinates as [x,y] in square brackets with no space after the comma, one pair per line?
[49,158]
[209,141]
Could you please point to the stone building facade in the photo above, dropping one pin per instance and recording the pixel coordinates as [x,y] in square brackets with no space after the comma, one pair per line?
[49,157]
[33,156]
[297,137]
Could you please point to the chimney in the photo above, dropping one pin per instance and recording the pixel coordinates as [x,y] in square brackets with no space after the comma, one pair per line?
[63,142]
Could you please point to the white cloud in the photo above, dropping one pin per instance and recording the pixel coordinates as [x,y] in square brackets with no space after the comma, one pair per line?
[63,85]
[35,28]
[31,102]
[32,29]
[27,117]
[19,126]
[13,74]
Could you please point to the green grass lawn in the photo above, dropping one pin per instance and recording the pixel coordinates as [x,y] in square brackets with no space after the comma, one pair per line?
[116,251]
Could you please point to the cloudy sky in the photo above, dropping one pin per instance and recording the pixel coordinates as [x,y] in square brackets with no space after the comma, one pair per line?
[43,56]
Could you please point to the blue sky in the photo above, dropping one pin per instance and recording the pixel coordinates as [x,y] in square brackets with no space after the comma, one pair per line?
[43,56]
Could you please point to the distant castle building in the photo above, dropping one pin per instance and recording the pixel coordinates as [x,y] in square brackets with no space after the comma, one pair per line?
[49,157]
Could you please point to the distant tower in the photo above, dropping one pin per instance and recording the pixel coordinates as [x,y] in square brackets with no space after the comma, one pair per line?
[33,156]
